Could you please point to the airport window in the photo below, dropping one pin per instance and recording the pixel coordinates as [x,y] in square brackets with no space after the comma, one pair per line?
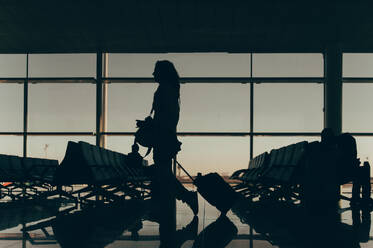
[199,154]
[356,101]
[128,102]
[62,107]
[62,65]
[209,107]
[12,65]
[187,64]
[11,145]
[287,65]
[204,107]
[288,107]
[52,147]
[221,154]
[357,107]
[11,107]
[215,101]
[267,143]
[121,144]
[358,65]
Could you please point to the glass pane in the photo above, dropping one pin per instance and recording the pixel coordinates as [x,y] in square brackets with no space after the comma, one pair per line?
[187,64]
[128,103]
[288,65]
[214,154]
[203,107]
[62,107]
[357,65]
[52,147]
[220,154]
[12,65]
[11,107]
[123,145]
[364,149]
[357,107]
[267,143]
[288,107]
[11,145]
[215,108]
[62,65]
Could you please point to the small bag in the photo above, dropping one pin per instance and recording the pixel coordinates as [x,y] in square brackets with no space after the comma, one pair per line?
[148,136]
[145,135]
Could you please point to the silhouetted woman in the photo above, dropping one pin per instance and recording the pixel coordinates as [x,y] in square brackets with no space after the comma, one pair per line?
[166,110]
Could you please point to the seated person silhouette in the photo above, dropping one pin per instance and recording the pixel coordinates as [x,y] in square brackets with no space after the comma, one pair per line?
[348,165]
[134,157]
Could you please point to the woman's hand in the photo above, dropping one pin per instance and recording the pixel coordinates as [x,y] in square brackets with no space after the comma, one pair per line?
[139,123]
[148,121]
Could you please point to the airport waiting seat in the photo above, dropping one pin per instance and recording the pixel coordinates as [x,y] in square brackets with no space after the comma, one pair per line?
[256,165]
[89,164]
[273,173]
[11,169]
[26,177]
[19,169]
[106,172]
[40,169]
[286,163]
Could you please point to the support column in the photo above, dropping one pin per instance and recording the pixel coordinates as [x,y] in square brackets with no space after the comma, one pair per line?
[98,97]
[101,98]
[333,89]
[251,108]
[105,74]
[25,108]
[332,119]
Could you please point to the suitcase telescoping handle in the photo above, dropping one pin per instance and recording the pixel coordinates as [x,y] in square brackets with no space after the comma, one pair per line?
[184,170]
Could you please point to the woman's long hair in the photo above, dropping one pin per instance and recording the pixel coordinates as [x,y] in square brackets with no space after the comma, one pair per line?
[168,75]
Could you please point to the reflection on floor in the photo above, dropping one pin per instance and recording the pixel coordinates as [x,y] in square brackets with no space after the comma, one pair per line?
[111,226]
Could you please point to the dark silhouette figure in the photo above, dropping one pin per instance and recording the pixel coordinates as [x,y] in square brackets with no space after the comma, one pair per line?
[343,148]
[98,226]
[218,234]
[328,138]
[134,157]
[166,110]
[349,169]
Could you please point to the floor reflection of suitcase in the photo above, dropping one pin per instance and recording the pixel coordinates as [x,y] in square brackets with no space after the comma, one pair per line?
[215,190]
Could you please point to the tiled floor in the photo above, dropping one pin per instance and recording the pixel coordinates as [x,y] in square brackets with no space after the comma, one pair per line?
[272,228]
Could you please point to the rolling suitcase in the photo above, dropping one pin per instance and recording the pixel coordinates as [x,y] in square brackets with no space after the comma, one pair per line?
[215,190]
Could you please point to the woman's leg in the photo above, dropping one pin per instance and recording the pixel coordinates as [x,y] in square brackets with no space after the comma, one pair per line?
[184,195]
[167,214]
[176,188]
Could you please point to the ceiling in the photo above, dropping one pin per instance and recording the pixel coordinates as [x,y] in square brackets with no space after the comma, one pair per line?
[184,26]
